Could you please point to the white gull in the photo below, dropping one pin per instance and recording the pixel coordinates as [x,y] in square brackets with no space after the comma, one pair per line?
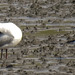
[10,35]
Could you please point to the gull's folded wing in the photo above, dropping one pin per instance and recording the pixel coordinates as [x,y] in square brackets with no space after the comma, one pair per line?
[5,39]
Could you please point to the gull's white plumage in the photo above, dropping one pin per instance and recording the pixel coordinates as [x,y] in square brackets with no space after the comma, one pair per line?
[10,35]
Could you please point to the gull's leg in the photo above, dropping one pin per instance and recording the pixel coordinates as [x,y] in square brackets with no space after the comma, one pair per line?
[1,53]
[6,53]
